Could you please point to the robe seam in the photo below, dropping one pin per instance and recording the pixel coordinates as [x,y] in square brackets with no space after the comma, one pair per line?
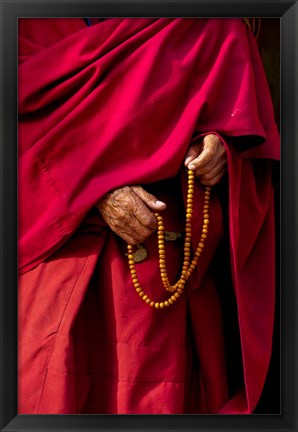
[115,342]
[113,378]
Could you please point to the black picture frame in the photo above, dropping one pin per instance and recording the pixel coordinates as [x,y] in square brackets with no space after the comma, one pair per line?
[287,11]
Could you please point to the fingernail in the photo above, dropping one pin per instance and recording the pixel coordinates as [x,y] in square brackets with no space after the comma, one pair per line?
[191,166]
[160,203]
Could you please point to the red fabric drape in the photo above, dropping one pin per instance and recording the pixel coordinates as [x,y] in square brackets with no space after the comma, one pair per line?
[118,103]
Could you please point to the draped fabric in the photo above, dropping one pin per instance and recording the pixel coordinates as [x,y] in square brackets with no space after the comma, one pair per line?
[115,104]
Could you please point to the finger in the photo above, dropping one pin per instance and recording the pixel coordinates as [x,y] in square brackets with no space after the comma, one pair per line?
[214,167]
[149,199]
[211,147]
[203,159]
[212,181]
[133,232]
[141,212]
[192,153]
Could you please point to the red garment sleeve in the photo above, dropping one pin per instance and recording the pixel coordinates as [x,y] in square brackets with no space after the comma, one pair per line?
[118,103]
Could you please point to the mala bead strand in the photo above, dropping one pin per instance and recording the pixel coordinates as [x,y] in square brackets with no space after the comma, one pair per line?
[187,267]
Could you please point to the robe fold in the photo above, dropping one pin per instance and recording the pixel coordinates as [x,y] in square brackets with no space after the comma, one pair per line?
[114,104]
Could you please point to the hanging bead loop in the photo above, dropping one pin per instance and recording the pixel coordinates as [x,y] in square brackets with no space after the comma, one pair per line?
[187,265]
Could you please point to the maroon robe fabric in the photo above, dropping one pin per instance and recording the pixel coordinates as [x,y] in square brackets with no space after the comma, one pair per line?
[115,104]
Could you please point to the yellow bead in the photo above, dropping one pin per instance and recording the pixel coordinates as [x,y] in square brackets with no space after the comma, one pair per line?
[131,262]
[206,221]
[161,305]
[145,297]
[176,294]
[135,280]
[197,253]
[204,236]
[170,300]
[156,215]
[167,303]
[204,230]
[152,303]
[138,290]
[156,305]
[141,293]
[148,301]
[179,290]
[201,245]
[130,256]
[173,298]
[133,271]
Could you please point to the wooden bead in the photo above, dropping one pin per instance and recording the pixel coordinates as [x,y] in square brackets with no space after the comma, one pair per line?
[161,305]
[152,303]
[156,305]
[167,303]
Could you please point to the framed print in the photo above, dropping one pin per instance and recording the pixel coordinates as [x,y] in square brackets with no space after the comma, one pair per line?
[126,119]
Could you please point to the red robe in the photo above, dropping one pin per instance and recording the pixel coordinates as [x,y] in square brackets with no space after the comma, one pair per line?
[115,104]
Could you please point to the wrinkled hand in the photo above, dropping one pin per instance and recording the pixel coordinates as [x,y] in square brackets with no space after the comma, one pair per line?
[126,211]
[207,159]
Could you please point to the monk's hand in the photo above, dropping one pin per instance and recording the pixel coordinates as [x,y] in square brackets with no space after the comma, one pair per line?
[127,212]
[207,159]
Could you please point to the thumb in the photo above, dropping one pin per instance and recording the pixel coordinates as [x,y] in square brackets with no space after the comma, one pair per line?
[149,199]
[192,153]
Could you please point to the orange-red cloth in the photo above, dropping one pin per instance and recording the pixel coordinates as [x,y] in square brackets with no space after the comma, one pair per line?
[116,104]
